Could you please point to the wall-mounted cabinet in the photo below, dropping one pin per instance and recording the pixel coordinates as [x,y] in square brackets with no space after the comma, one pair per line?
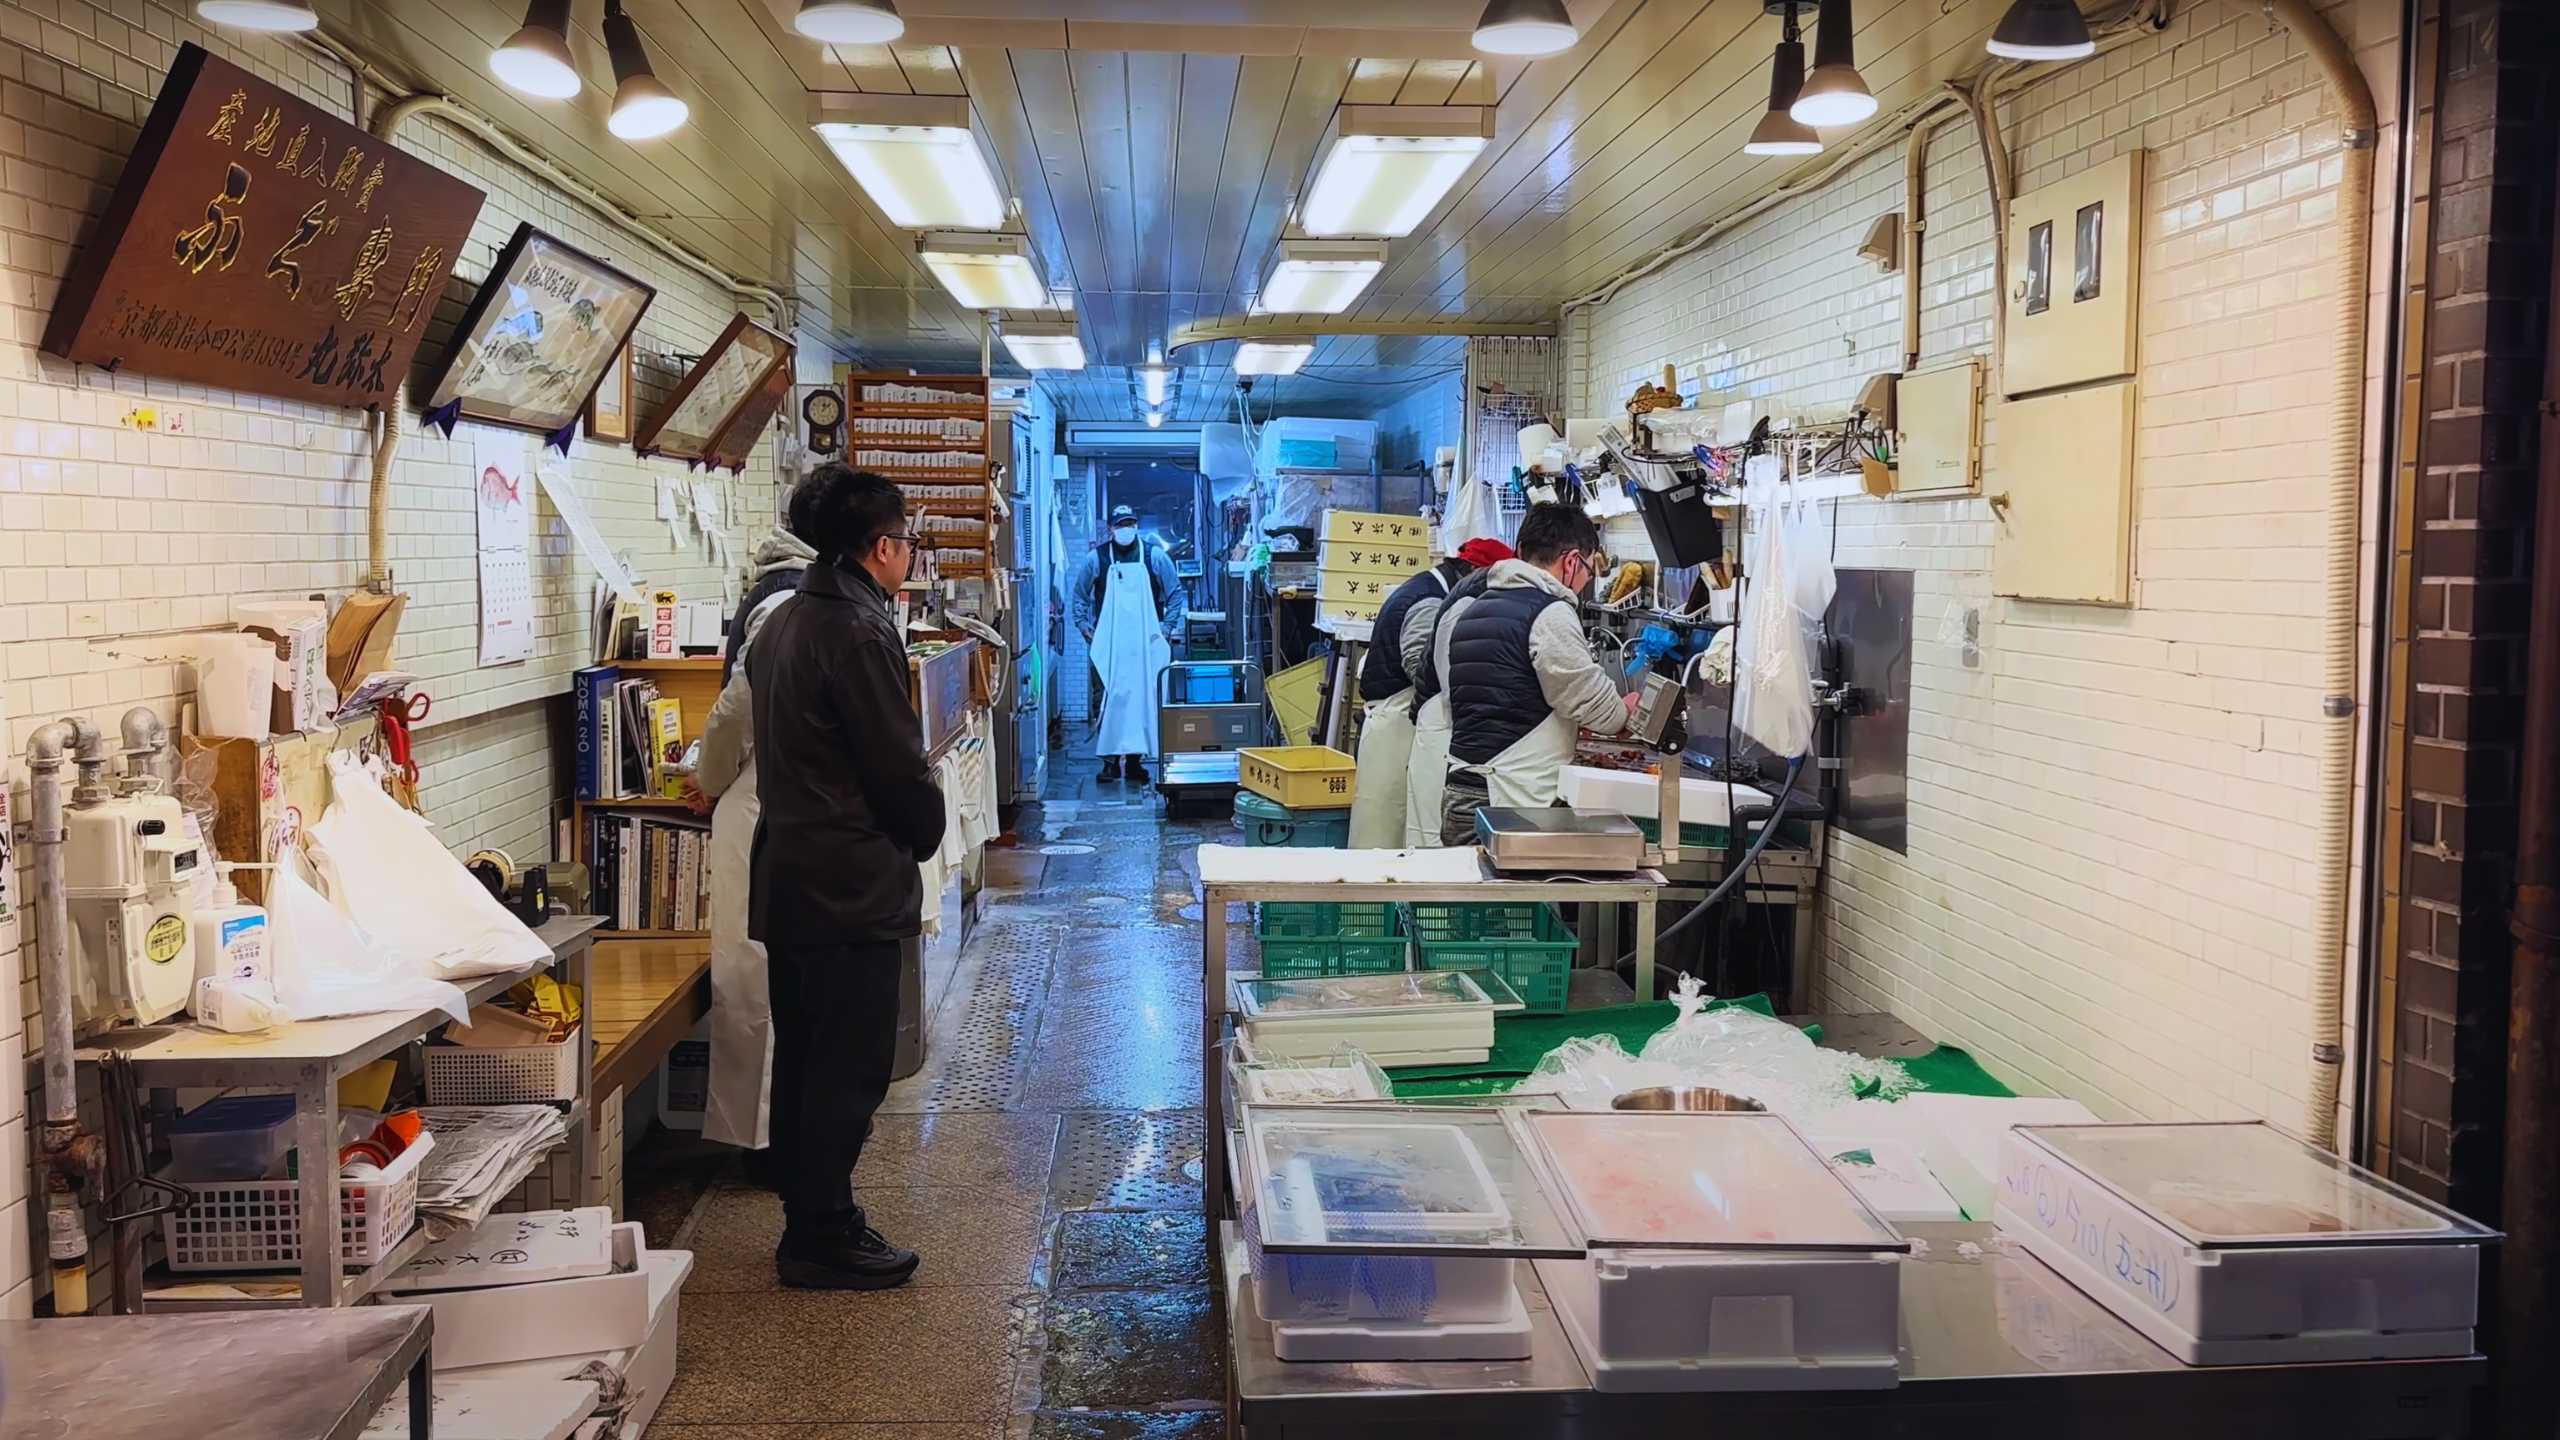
[2075,263]
[2062,497]
[1940,412]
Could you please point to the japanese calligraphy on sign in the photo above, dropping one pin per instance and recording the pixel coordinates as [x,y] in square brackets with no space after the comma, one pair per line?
[256,242]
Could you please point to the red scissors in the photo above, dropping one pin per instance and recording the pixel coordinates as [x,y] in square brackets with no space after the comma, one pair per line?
[397,716]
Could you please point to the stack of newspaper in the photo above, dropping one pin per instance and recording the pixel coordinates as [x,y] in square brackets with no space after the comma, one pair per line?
[482,1153]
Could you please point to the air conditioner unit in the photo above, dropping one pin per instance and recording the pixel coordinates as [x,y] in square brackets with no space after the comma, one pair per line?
[1132,437]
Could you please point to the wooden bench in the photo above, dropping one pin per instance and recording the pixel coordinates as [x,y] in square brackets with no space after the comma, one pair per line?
[644,996]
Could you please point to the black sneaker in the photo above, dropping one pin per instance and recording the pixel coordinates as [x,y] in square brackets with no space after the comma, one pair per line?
[1111,767]
[1137,771]
[848,1255]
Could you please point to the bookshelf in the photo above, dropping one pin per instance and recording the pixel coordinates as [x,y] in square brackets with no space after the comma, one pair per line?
[933,415]
[692,681]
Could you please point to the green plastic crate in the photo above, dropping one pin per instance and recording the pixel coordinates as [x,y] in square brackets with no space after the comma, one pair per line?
[1528,945]
[1319,940]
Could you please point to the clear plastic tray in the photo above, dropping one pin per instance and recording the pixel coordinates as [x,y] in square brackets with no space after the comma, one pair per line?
[2247,1184]
[1399,994]
[1396,1180]
[1703,1180]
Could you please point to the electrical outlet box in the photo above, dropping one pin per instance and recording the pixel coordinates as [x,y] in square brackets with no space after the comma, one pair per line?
[2075,263]
[1941,417]
[2062,497]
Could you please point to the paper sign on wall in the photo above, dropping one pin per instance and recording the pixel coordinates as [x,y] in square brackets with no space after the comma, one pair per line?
[582,528]
[500,489]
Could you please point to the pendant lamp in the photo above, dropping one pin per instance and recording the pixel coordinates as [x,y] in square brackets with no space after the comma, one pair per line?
[536,59]
[2042,30]
[283,16]
[1835,93]
[643,107]
[1524,27]
[850,22]
[1781,133]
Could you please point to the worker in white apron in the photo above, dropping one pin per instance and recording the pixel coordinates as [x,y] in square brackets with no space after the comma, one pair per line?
[1521,677]
[1130,650]
[1427,774]
[1399,639]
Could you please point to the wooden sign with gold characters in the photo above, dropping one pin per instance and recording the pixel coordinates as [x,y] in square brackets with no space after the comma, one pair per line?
[256,242]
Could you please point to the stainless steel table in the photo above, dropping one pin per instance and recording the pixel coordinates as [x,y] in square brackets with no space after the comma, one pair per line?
[1639,888]
[1992,1340]
[310,1057]
[275,1375]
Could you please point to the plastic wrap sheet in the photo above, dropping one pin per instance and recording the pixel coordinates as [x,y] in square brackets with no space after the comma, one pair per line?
[1736,1050]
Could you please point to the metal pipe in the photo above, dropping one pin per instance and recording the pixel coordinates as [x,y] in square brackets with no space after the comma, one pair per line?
[146,745]
[2345,471]
[1915,158]
[2529,1264]
[66,1232]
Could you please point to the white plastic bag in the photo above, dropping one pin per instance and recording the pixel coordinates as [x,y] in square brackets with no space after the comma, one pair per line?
[1811,581]
[325,964]
[1773,686]
[409,892]
[1473,514]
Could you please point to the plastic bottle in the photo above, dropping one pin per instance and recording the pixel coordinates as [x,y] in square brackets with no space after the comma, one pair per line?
[231,934]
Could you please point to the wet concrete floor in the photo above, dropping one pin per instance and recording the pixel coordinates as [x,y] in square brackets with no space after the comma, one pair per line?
[1045,1163]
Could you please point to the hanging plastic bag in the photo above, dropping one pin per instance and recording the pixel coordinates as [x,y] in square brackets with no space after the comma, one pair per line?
[325,964]
[1811,581]
[409,892]
[1773,686]
[1472,515]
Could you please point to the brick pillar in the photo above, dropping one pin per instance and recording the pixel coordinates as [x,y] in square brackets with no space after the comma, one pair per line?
[2487,239]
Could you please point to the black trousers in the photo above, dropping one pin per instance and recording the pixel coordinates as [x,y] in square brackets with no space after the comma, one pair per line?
[835,1038]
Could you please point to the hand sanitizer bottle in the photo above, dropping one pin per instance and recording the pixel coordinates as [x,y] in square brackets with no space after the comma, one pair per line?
[231,934]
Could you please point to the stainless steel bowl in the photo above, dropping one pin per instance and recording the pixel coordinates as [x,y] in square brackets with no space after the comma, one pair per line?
[1683,1097]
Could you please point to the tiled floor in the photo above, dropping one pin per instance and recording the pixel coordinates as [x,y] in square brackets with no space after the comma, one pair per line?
[1045,1163]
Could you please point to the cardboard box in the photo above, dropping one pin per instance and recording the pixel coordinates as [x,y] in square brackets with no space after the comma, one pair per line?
[1355,589]
[1367,527]
[553,1317]
[1398,562]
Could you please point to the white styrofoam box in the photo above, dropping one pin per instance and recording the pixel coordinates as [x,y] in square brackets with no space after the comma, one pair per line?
[555,1317]
[1352,1341]
[2226,1305]
[1960,1137]
[1672,1320]
[521,1249]
[1702,802]
[647,1371]
[492,1410]
[1889,1175]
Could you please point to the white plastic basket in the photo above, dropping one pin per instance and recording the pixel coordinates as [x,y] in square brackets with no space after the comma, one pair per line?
[520,1075]
[257,1224]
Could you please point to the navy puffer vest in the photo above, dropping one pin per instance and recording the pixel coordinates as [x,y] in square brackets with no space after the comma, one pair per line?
[1382,673]
[1494,697]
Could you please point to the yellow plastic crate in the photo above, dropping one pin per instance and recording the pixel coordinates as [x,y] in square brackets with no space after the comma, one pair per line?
[1295,695]
[1302,777]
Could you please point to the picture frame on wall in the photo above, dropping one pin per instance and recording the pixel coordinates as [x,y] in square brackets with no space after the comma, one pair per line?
[734,373]
[738,438]
[548,325]
[608,416]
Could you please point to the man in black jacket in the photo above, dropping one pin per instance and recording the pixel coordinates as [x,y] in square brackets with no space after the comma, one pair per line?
[849,809]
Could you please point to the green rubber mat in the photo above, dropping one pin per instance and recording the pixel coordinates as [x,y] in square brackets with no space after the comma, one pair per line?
[1521,1041]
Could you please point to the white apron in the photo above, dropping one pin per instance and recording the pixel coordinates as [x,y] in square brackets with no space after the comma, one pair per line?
[1427,773]
[1385,767]
[738,1105]
[1130,651]
[1529,772]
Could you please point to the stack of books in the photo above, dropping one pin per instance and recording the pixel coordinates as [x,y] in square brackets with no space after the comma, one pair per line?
[630,738]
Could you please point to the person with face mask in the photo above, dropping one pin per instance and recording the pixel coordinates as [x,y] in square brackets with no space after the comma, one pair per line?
[1521,678]
[1129,606]
[1398,641]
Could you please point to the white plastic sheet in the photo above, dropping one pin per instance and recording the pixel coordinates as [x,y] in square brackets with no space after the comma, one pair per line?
[1738,1051]
[409,892]
[1773,684]
[325,964]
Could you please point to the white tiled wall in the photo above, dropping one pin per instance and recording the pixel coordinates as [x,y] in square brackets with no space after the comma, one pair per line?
[2107,893]
[106,531]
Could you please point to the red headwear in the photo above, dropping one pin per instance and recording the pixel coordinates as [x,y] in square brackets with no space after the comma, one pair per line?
[1483,553]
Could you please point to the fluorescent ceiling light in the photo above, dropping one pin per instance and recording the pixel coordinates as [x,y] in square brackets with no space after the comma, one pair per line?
[1835,93]
[276,15]
[536,59]
[1384,168]
[1273,357]
[985,272]
[1038,345]
[643,107]
[2042,30]
[1154,381]
[916,157]
[1524,27]
[1320,277]
[849,22]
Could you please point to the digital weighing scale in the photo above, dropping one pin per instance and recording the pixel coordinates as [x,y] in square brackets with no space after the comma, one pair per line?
[1559,839]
